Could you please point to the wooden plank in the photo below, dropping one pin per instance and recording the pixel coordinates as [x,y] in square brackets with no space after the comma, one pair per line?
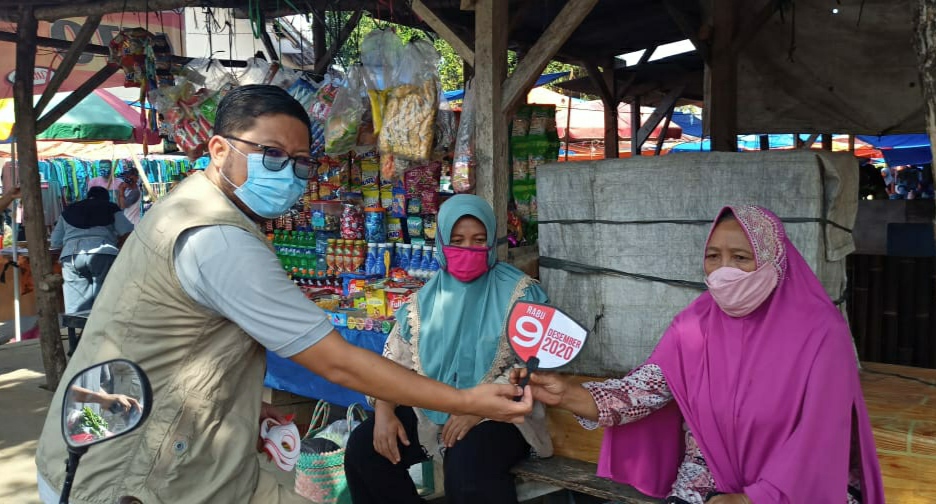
[491,126]
[322,65]
[662,110]
[532,65]
[88,29]
[600,81]
[635,126]
[721,106]
[442,28]
[611,138]
[580,477]
[267,41]
[662,138]
[47,284]
[75,97]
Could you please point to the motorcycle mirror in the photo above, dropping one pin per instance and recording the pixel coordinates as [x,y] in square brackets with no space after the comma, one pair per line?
[103,402]
[543,336]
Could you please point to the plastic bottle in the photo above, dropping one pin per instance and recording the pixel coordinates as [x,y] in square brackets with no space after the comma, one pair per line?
[379,268]
[415,261]
[434,264]
[371,261]
[404,256]
[426,265]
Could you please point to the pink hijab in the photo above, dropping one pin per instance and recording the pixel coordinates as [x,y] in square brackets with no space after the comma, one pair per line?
[771,397]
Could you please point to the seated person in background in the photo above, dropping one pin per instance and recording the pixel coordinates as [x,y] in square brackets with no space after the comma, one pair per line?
[751,396]
[89,232]
[128,195]
[452,330]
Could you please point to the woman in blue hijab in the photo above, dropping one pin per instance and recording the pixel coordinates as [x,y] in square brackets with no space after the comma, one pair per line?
[452,330]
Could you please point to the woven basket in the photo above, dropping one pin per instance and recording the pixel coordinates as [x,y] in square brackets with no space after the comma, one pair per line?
[320,477]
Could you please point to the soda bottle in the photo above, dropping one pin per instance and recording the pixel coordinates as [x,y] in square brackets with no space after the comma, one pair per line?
[434,264]
[371,262]
[404,260]
[415,260]
[427,261]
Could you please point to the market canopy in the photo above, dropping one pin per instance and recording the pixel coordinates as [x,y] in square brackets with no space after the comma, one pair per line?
[100,116]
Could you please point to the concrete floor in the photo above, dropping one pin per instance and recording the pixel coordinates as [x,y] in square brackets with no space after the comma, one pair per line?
[23,404]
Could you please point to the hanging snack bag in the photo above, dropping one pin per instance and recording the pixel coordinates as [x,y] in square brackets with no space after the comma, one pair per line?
[370,171]
[409,117]
[381,52]
[398,207]
[394,230]
[386,196]
[463,165]
[344,118]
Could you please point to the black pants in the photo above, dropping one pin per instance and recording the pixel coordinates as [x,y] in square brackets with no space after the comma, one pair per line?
[477,468]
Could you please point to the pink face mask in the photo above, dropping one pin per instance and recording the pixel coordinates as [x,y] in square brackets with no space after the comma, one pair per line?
[465,263]
[738,293]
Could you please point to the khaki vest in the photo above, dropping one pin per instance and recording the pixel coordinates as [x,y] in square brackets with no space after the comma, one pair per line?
[199,442]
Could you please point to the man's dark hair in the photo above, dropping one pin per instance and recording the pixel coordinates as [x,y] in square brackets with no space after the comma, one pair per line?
[98,193]
[242,105]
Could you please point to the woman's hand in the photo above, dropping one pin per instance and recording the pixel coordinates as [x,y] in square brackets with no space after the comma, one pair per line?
[548,388]
[387,430]
[457,427]
[738,498]
[268,411]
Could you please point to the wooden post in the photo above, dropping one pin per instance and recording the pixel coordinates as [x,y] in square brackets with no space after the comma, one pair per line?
[47,284]
[851,143]
[662,138]
[635,126]
[826,141]
[604,81]
[765,142]
[925,42]
[442,28]
[318,35]
[721,108]
[491,127]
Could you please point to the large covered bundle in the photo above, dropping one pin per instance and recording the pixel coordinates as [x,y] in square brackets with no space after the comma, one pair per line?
[621,240]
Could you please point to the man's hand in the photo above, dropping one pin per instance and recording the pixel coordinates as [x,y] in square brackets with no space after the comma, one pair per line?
[457,427]
[730,499]
[387,429]
[126,402]
[497,402]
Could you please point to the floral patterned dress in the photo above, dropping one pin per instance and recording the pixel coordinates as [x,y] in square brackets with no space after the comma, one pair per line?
[644,391]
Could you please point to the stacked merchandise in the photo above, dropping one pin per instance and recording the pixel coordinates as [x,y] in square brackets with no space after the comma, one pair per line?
[363,236]
[533,141]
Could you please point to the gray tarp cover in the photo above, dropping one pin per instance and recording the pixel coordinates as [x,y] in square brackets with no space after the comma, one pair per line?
[684,187]
[844,77]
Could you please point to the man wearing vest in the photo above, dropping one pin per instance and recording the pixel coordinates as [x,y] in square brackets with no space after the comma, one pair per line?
[196,298]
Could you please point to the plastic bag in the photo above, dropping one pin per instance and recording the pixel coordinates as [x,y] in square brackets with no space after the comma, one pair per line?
[344,118]
[208,73]
[464,163]
[381,53]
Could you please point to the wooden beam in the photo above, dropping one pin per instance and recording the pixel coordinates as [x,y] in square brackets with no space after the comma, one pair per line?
[322,66]
[267,41]
[826,141]
[491,142]
[662,110]
[635,126]
[750,27]
[532,65]
[442,28]
[612,137]
[47,284]
[516,17]
[851,143]
[88,29]
[318,35]
[690,26]
[662,138]
[600,81]
[76,96]
[809,141]
[721,107]
[764,142]
[65,45]
[101,7]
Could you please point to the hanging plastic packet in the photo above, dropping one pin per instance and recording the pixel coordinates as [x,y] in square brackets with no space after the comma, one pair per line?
[381,52]
[409,117]
[464,163]
[344,118]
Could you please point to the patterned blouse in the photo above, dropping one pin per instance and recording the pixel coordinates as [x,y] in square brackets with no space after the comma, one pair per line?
[644,391]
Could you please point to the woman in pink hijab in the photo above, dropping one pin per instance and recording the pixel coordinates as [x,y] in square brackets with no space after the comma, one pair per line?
[751,396]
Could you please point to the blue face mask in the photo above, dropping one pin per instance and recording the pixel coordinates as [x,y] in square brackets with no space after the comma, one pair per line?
[268,193]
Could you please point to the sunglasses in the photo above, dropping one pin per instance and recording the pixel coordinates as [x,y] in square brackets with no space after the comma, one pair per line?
[276,159]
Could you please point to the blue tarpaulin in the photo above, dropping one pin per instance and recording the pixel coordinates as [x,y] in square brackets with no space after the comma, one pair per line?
[902,150]
[691,124]
[544,79]
[745,142]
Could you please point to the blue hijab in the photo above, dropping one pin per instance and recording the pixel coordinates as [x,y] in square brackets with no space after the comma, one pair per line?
[461,325]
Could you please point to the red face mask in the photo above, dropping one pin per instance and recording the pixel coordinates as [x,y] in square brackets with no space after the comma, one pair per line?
[466,263]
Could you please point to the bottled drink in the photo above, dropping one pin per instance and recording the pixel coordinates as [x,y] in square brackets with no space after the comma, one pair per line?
[371,262]
[426,262]
[404,256]
[415,261]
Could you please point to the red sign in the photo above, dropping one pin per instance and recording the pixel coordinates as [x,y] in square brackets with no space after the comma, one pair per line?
[544,332]
[47,59]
